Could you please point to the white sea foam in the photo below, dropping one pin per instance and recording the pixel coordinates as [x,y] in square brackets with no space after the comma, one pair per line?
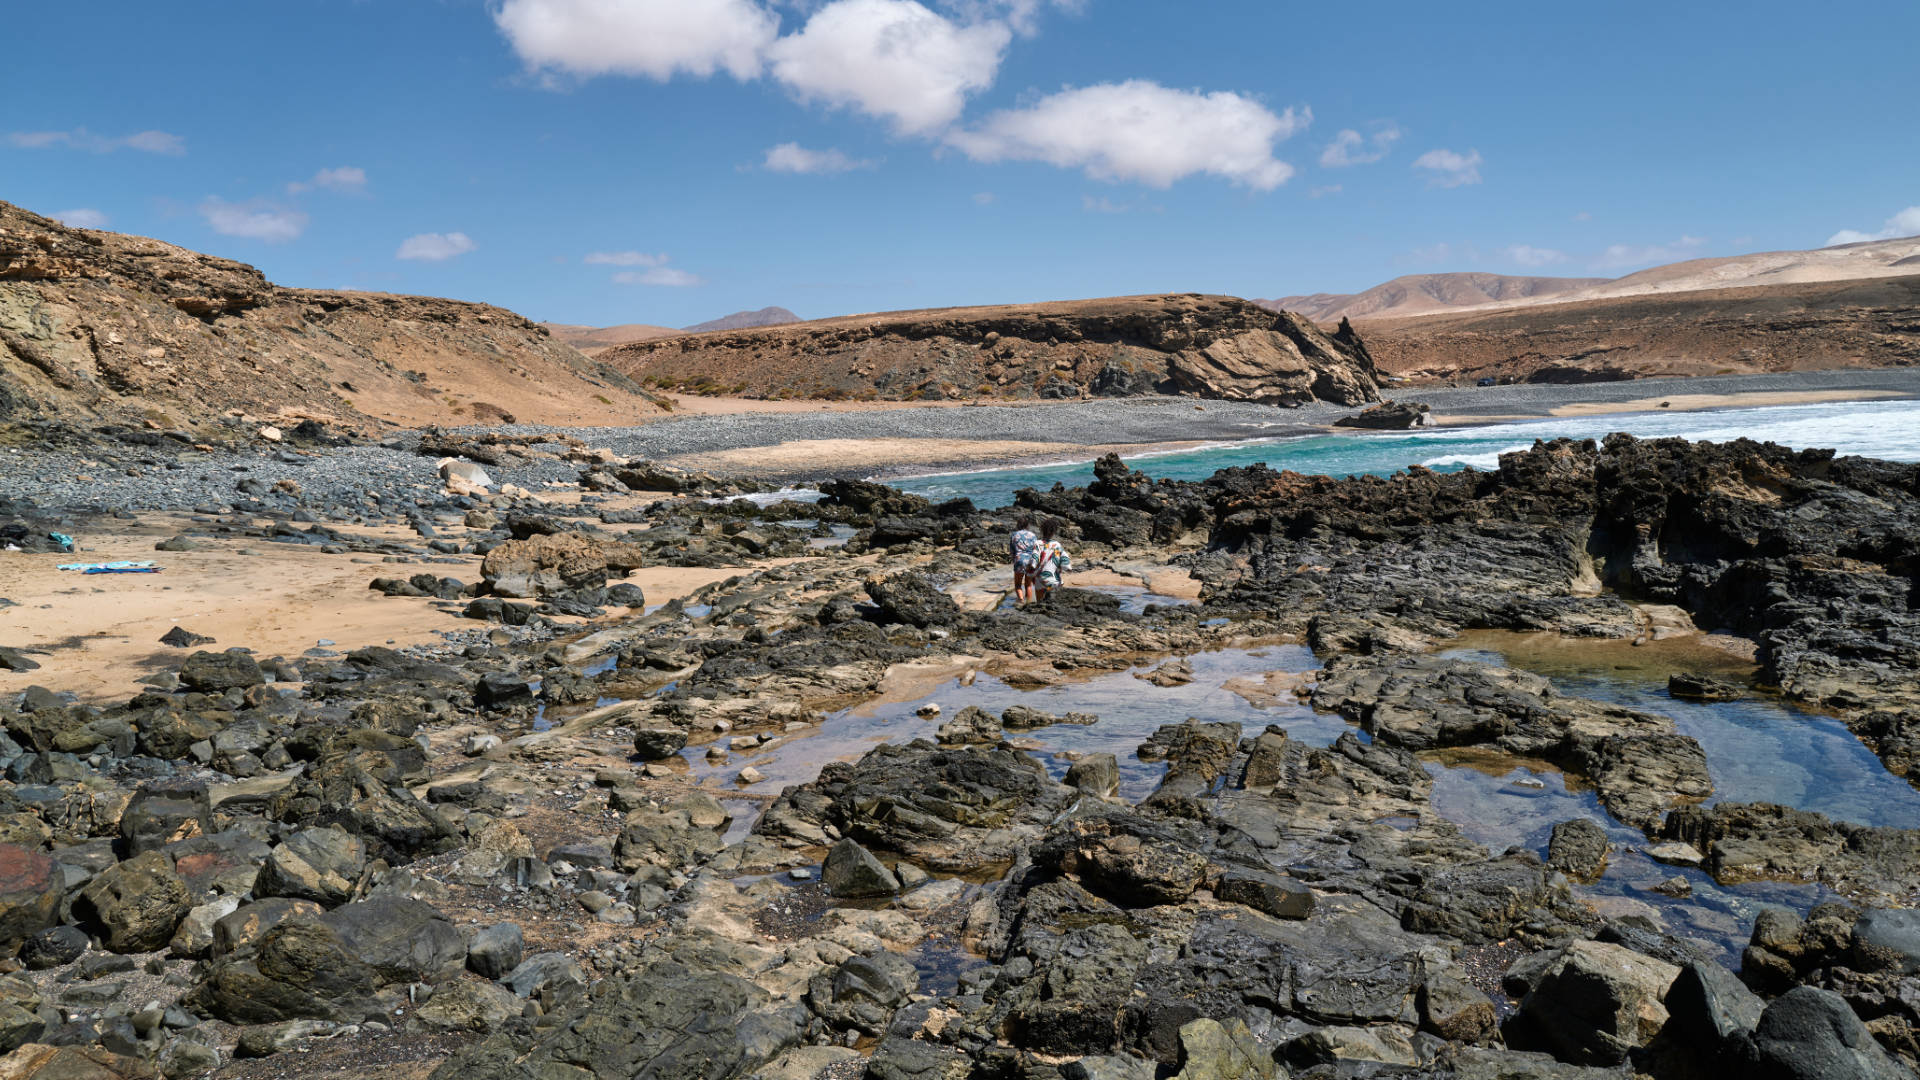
[1489,460]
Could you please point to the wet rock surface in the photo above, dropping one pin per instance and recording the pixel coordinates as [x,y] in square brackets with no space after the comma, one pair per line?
[547,853]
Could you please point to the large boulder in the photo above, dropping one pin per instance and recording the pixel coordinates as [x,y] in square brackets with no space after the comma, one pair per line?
[947,808]
[136,903]
[1578,849]
[215,672]
[663,1021]
[555,564]
[1811,1034]
[1887,939]
[852,872]
[29,894]
[1595,1004]
[299,969]
[163,813]
[1711,1010]
[1211,1050]
[1390,416]
[342,791]
[403,941]
[911,599]
[314,864]
[666,838]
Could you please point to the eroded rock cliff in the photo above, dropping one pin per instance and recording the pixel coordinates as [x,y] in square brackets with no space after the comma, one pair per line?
[1204,346]
[101,325]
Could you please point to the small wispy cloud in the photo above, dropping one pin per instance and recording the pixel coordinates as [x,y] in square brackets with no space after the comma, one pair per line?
[1448,168]
[983,198]
[346,180]
[1324,191]
[1349,147]
[151,142]
[794,158]
[1528,255]
[623,258]
[1620,256]
[1100,204]
[1438,253]
[1904,223]
[435,247]
[82,218]
[666,276]
[254,220]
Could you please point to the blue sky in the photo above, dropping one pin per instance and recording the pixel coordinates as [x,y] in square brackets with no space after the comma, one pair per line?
[668,161]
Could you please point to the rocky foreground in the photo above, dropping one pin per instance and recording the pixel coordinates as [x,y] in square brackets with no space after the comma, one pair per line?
[491,859]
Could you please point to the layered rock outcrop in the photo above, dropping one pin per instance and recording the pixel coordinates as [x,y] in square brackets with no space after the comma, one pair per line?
[105,326]
[1204,346]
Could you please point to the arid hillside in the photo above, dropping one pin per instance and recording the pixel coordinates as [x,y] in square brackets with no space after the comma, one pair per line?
[1791,327]
[1205,346]
[101,326]
[594,340]
[1843,262]
[1423,294]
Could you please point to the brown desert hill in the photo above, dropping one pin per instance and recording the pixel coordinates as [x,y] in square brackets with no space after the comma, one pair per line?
[594,340]
[745,320]
[101,326]
[1872,322]
[1417,294]
[1842,262]
[1206,346]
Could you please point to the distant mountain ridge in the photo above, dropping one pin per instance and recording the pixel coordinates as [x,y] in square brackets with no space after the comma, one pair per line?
[745,320]
[1453,293]
[1419,294]
[594,340]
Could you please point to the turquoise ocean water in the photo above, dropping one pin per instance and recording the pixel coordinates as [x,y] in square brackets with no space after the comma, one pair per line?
[1883,429]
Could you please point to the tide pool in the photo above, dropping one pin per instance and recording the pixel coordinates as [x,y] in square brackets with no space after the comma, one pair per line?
[1882,429]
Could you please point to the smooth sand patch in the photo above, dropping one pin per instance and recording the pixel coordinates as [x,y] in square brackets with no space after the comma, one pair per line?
[1696,402]
[102,633]
[825,455]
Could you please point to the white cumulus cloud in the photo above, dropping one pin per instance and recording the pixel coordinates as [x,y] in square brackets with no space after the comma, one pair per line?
[655,38]
[669,276]
[347,180]
[152,142]
[1617,256]
[1449,169]
[1350,147]
[794,158]
[82,218]
[1142,131]
[434,247]
[623,258]
[1904,223]
[255,220]
[894,59]
[1528,255]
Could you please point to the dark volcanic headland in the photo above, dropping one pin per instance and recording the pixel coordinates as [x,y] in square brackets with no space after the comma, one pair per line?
[700,788]
[1204,346]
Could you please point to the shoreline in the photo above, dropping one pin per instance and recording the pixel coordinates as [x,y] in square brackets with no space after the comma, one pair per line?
[1160,421]
[787,449]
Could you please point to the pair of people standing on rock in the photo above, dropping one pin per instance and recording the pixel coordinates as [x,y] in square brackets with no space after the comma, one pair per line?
[1038,558]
